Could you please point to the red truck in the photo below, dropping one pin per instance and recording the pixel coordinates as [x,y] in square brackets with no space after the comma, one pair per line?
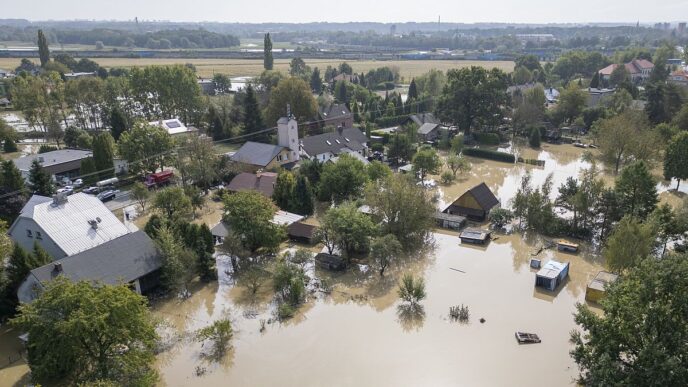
[159,179]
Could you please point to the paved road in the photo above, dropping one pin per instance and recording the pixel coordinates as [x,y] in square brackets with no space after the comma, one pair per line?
[122,199]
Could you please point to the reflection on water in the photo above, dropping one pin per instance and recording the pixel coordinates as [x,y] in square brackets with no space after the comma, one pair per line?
[361,334]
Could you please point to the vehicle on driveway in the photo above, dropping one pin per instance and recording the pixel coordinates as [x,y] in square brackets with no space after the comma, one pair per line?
[106,196]
[68,190]
[78,183]
[91,190]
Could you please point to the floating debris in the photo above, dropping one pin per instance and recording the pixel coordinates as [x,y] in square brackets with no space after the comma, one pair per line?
[482,320]
[527,338]
[457,270]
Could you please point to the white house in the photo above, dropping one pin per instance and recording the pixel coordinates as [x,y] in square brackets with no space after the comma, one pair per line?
[174,127]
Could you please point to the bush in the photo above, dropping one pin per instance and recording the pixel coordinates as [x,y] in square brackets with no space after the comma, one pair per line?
[46,148]
[219,334]
[377,147]
[490,155]
[500,216]
[10,146]
[412,290]
[459,313]
[285,311]
[487,138]
[447,177]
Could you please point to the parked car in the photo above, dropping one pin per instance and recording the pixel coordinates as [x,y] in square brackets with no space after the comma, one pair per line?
[91,190]
[106,196]
[78,183]
[67,190]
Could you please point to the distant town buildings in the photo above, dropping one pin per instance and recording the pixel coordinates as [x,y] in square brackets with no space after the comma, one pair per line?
[638,69]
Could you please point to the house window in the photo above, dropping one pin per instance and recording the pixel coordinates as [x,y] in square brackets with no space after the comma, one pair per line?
[279,157]
[29,234]
[38,235]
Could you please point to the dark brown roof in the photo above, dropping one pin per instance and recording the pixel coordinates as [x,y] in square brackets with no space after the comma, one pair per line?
[261,182]
[301,230]
[485,198]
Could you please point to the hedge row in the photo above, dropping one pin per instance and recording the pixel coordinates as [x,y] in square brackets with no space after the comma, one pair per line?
[487,138]
[490,155]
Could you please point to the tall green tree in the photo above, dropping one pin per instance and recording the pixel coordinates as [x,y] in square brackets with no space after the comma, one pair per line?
[177,266]
[636,190]
[119,123]
[103,154]
[426,161]
[88,170]
[343,180]
[43,50]
[253,120]
[630,242]
[12,179]
[641,339]
[284,190]
[316,81]
[173,203]
[348,228]
[77,333]
[302,202]
[412,92]
[296,93]
[146,147]
[249,214]
[267,52]
[676,158]
[39,180]
[473,97]
[383,250]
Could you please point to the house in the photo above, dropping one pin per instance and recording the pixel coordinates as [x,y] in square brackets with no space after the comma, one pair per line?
[679,77]
[551,275]
[269,156]
[328,145]
[345,77]
[474,204]
[263,182]
[422,118]
[449,221]
[65,225]
[336,115]
[429,131]
[302,232]
[130,259]
[69,76]
[551,95]
[638,69]
[207,86]
[598,96]
[596,290]
[174,127]
[59,163]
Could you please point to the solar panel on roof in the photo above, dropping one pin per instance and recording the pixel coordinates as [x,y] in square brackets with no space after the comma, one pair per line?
[173,124]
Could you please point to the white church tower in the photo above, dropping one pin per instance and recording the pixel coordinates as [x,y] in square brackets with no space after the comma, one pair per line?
[288,135]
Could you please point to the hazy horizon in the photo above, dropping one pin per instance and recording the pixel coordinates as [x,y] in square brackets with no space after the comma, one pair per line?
[309,11]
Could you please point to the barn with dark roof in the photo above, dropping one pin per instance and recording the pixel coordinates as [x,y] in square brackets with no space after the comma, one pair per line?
[474,204]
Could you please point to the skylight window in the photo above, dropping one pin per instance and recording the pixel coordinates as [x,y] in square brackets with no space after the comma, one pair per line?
[328,142]
[337,141]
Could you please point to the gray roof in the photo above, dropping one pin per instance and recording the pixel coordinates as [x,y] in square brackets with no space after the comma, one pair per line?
[67,223]
[256,153]
[121,260]
[220,230]
[334,142]
[427,128]
[334,111]
[261,182]
[52,158]
[485,198]
[424,118]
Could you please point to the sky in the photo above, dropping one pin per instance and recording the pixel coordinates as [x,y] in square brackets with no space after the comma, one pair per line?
[300,11]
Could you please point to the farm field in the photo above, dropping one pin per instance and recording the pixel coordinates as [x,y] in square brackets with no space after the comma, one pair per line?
[252,67]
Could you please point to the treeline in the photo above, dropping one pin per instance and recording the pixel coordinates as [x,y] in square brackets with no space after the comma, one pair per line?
[171,38]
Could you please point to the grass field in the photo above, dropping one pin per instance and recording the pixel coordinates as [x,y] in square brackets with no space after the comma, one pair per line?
[251,67]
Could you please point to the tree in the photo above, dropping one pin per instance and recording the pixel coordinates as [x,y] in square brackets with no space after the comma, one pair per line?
[219,333]
[626,137]
[296,93]
[641,338]
[249,214]
[221,84]
[406,209]
[77,333]
[636,190]
[103,154]
[412,92]
[267,52]
[197,161]
[177,266]
[521,75]
[284,190]
[473,97]
[12,179]
[619,75]
[411,289]
[118,123]
[457,163]
[534,138]
[571,103]
[595,81]
[145,147]
[377,170]
[140,194]
[298,68]
[253,120]
[342,180]
[43,50]
[383,250]
[345,68]
[629,243]
[88,170]
[39,180]
[173,203]
[500,216]
[302,201]
[348,228]
[316,81]
[676,158]
[399,147]
[426,161]
[165,91]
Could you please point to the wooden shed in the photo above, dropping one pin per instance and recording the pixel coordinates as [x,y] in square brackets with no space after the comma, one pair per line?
[596,289]
[449,221]
[474,204]
[475,236]
[330,261]
[551,275]
[302,232]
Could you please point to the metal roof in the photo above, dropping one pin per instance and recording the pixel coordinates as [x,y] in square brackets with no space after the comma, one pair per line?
[286,218]
[427,127]
[552,269]
[121,260]
[67,223]
[256,153]
[334,142]
[48,159]
[173,126]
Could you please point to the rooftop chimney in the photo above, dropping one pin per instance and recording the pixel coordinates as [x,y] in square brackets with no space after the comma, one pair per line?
[57,266]
[340,129]
[59,198]
[94,224]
